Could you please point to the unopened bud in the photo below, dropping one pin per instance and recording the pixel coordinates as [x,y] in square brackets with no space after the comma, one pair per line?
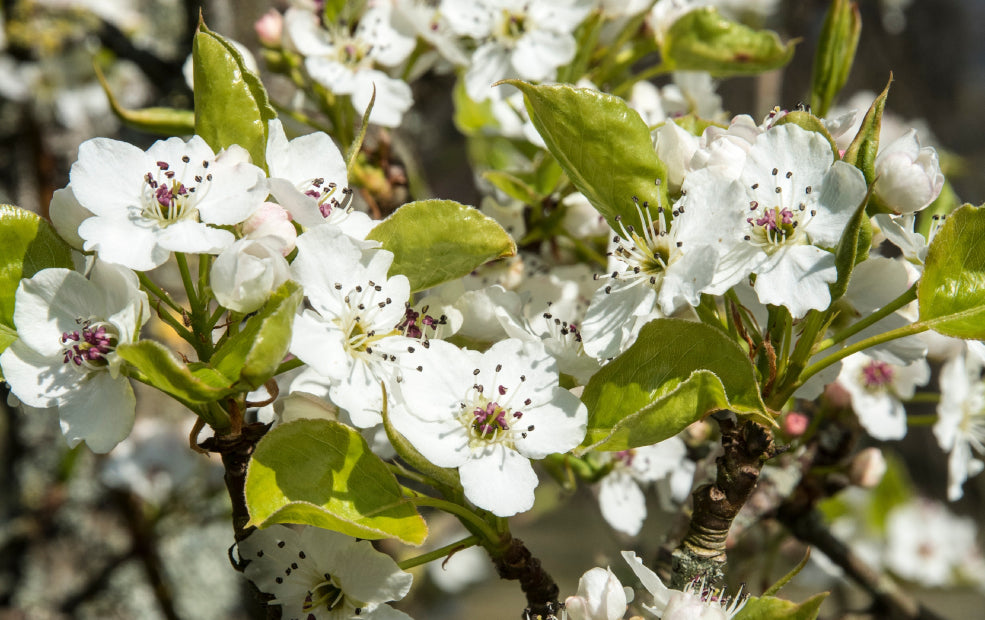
[269,28]
[868,468]
[795,424]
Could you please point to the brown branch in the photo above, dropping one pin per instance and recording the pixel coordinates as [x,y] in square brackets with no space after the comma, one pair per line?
[747,445]
[235,452]
[542,593]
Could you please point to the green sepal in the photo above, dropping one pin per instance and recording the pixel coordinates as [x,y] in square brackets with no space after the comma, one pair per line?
[28,244]
[231,104]
[434,241]
[810,122]
[195,384]
[163,121]
[853,248]
[861,153]
[951,293]
[322,473]
[835,53]
[703,40]
[771,608]
[602,145]
[252,356]
[675,373]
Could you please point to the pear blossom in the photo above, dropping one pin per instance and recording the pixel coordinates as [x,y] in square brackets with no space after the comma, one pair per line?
[515,38]
[68,328]
[488,414]
[653,272]
[600,597]
[317,574]
[272,224]
[695,602]
[246,273]
[349,335]
[908,177]
[621,498]
[170,198]
[778,219]
[960,427]
[878,389]
[344,60]
[308,178]
[926,544]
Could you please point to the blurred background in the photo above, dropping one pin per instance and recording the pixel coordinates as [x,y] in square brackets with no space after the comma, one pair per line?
[144,532]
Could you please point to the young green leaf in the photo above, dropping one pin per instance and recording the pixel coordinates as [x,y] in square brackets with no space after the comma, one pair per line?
[675,373]
[434,241]
[853,248]
[165,121]
[835,53]
[951,293]
[322,473]
[166,372]
[231,104]
[602,145]
[771,608]
[28,244]
[512,186]
[810,122]
[703,40]
[253,355]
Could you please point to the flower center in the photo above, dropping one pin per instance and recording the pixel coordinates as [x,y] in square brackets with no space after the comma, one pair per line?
[327,195]
[86,348]
[416,324]
[359,320]
[510,27]
[876,375]
[493,420]
[167,197]
[328,595]
[649,252]
[776,215]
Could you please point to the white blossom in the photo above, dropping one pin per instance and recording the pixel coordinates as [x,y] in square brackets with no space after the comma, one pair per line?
[245,274]
[68,328]
[168,199]
[621,498]
[600,597]
[908,177]
[695,602]
[878,389]
[488,414]
[318,574]
[960,427]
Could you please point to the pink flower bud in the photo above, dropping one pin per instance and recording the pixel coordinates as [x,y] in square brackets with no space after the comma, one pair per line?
[795,423]
[269,28]
[867,468]
[271,223]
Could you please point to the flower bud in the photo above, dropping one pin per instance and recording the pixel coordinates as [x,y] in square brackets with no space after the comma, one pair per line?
[271,223]
[868,468]
[269,28]
[245,274]
[795,423]
[908,177]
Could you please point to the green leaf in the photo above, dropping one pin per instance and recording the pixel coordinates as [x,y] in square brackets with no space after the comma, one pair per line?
[771,608]
[674,374]
[322,473]
[835,53]
[861,153]
[28,244]
[434,241]
[853,248]
[810,122]
[602,145]
[703,40]
[253,355]
[231,105]
[166,372]
[512,186]
[165,121]
[951,293]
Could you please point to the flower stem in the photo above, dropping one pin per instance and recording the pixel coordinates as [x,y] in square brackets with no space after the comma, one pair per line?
[872,319]
[186,279]
[447,550]
[464,514]
[157,291]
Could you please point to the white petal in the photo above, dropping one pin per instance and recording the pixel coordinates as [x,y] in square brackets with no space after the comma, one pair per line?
[622,503]
[559,425]
[842,191]
[35,379]
[490,63]
[67,215]
[393,97]
[539,53]
[100,412]
[119,240]
[109,174]
[194,238]
[363,573]
[797,277]
[608,323]
[500,480]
